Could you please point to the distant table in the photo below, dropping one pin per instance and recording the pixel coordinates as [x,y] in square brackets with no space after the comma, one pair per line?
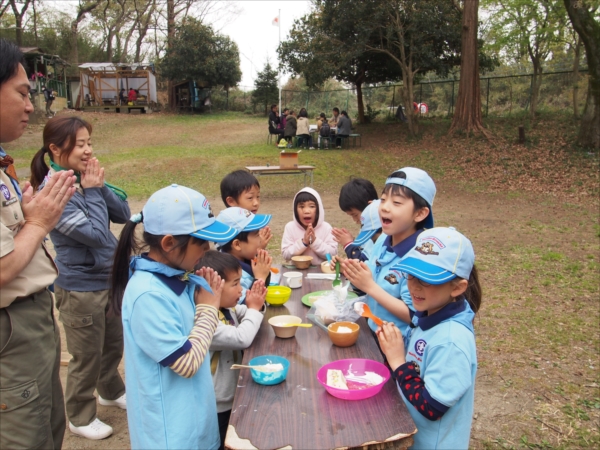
[299,413]
[277,170]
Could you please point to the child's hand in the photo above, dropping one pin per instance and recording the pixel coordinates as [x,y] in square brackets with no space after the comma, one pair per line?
[342,236]
[335,259]
[261,265]
[265,235]
[358,273]
[255,297]
[392,344]
[309,236]
[216,283]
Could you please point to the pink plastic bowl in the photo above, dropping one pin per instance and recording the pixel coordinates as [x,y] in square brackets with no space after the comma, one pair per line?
[359,367]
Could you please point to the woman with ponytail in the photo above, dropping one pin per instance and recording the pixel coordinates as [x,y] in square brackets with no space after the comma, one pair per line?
[85,249]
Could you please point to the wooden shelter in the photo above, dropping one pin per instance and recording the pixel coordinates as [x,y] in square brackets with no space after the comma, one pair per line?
[100,84]
[44,69]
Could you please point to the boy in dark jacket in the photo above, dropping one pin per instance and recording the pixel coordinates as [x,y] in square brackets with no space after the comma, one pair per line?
[290,126]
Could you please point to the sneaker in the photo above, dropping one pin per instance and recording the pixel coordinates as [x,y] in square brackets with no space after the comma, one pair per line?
[339,146]
[95,431]
[121,402]
[311,148]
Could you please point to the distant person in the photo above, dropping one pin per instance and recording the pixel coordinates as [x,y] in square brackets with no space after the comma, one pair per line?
[132,97]
[334,119]
[283,118]
[122,98]
[323,130]
[275,122]
[303,129]
[49,97]
[291,125]
[344,128]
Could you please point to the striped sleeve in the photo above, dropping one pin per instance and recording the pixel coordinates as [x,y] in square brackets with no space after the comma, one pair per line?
[205,324]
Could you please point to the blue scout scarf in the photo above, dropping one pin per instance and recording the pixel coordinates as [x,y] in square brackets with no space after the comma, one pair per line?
[148,265]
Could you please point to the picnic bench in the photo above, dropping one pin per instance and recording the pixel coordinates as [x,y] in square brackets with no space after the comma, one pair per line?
[278,170]
[299,413]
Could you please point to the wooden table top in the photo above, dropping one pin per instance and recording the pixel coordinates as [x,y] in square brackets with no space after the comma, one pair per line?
[299,413]
[276,168]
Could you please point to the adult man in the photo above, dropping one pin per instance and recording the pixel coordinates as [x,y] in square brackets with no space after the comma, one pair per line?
[274,122]
[49,97]
[32,413]
[334,119]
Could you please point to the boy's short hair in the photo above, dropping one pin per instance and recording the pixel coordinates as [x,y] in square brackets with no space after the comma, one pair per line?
[236,183]
[243,236]
[418,201]
[305,197]
[222,263]
[336,109]
[285,109]
[357,193]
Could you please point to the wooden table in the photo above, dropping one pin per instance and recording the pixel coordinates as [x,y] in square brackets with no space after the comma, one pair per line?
[299,413]
[277,170]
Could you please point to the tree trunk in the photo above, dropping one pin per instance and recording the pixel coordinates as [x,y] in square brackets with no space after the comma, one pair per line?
[588,30]
[467,113]
[19,30]
[536,83]
[82,11]
[360,102]
[170,36]
[408,100]
[576,78]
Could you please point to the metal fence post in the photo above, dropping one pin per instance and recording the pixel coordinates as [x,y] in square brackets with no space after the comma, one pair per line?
[452,100]
[487,100]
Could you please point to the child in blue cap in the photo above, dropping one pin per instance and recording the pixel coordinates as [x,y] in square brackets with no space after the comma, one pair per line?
[359,199]
[404,210]
[436,375]
[168,324]
[245,245]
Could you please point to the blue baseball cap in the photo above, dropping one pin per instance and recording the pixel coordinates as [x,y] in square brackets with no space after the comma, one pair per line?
[241,219]
[179,210]
[369,222]
[419,182]
[440,255]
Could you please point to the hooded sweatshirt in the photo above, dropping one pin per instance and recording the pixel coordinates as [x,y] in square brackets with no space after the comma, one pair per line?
[292,245]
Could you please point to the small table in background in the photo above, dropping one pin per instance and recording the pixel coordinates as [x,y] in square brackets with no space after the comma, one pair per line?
[277,170]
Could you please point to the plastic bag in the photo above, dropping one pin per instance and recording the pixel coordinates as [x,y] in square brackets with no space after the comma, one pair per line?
[333,306]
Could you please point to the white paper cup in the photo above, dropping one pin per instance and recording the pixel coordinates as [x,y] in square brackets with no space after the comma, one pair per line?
[293,279]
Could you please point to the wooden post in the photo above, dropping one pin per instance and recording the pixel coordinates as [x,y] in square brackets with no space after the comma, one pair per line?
[521,134]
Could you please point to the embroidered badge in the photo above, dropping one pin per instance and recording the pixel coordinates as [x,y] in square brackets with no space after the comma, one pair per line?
[247,213]
[426,248]
[25,394]
[420,347]
[5,191]
[391,278]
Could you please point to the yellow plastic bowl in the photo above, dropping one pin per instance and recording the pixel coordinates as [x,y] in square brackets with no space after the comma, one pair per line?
[278,295]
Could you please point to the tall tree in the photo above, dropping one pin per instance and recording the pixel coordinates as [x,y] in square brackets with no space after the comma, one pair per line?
[265,87]
[330,42]
[527,28]
[467,112]
[19,16]
[198,53]
[586,24]
[416,48]
[83,8]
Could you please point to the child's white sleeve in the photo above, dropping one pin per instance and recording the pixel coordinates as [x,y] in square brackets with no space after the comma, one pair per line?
[229,337]
[289,245]
[327,244]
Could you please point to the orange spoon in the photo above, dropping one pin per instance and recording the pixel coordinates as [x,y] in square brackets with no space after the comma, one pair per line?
[362,309]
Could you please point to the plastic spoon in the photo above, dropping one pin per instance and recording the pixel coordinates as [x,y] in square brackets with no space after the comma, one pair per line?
[303,325]
[241,366]
[362,309]
[337,281]
[328,256]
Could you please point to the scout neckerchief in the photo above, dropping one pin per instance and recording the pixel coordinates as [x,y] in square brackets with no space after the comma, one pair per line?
[7,165]
[118,191]
[149,265]
[226,318]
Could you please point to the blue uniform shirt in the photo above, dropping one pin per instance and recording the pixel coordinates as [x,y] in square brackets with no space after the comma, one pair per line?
[443,345]
[164,410]
[383,257]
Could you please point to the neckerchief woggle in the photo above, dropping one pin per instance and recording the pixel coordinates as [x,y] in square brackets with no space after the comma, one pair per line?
[147,265]
[118,191]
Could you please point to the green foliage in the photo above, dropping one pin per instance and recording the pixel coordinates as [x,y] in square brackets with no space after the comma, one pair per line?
[198,53]
[265,87]
[371,114]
